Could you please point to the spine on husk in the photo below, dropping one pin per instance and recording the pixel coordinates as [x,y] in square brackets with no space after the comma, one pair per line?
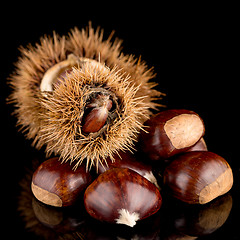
[65,83]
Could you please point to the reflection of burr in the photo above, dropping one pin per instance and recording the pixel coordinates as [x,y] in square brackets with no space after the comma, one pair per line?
[59,86]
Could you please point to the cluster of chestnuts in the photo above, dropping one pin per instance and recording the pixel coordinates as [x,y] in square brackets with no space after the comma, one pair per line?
[125,190]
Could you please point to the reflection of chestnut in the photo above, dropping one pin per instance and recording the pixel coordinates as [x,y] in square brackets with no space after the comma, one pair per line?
[198,177]
[61,220]
[57,184]
[127,160]
[203,219]
[179,236]
[171,132]
[122,196]
[147,229]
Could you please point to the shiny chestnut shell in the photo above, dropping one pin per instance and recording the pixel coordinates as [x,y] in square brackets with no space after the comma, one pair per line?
[122,196]
[170,132]
[57,184]
[199,146]
[198,177]
[128,160]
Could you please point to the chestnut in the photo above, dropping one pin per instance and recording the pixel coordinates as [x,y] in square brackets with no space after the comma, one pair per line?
[171,132]
[199,146]
[198,177]
[121,196]
[96,118]
[128,160]
[56,184]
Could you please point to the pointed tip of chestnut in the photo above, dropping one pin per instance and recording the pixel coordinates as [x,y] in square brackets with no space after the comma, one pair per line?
[151,178]
[127,218]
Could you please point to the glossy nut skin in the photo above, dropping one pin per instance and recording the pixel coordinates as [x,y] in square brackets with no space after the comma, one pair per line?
[127,160]
[57,184]
[122,196]
[198,177]
[199,146]
[96,118]
[170,132]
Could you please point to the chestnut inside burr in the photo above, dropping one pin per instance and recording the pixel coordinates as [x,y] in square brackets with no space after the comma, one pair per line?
[99,111]
[96,115]
[101,103]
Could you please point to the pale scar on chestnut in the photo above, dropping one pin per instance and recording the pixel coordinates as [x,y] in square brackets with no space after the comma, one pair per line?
[45,196]
[217,188]
[184,130]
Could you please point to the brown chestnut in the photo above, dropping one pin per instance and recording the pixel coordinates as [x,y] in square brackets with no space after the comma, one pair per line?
[122,196]
[56,184]
[171,132]
[198,177]
[128,160]
[199,146]
[96,118]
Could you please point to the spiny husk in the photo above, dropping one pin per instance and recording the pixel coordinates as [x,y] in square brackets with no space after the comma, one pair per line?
[25,81]
[55,120]
[65,107]
[90,44]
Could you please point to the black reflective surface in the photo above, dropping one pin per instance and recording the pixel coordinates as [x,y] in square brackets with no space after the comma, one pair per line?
[192,52]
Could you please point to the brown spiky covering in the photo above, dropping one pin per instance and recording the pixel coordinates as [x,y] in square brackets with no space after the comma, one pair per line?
[54,119]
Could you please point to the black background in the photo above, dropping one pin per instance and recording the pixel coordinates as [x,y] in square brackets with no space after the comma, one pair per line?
[191,47]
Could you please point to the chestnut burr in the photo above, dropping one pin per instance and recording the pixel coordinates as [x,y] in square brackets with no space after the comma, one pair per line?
[58,87]
[128,160]
[57,184]
[122,196]
[198,177]
[171,132]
